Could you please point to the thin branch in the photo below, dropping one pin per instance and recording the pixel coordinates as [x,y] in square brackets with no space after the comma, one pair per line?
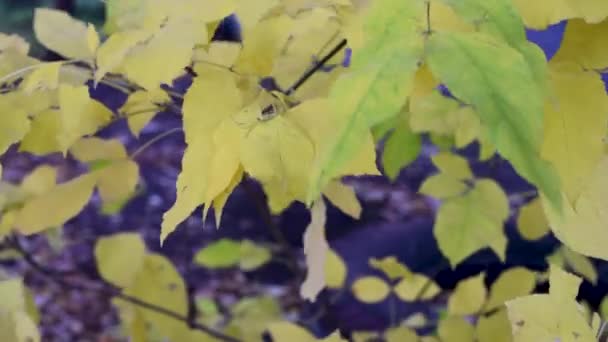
[152,141]
[110,290]
[297,84]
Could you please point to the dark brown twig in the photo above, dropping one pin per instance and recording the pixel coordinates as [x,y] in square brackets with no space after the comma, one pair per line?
[109,290]
[298,83]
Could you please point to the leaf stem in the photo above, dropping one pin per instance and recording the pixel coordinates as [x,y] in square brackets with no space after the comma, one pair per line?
[152,141]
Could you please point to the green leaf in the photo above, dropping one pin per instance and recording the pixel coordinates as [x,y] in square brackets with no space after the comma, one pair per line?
[381,76]
[401,148]
[497,81]
[253,256]
[220,254]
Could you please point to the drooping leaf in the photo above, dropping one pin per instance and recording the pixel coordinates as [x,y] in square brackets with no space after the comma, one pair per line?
[496,79]
[376,89]
[315,249]
[574,126]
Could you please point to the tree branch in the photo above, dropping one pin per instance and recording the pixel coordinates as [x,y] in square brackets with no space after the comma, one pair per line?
[109,290]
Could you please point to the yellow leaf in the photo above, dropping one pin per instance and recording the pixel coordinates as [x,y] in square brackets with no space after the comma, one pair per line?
[250,12]
[574,127]
[92,149]
[582,45]
[59,32]
[154,55]
[142,106]
[14,42]
[468,296]
[586,218]
[92,38]
[80,115]
[45,76]
[532,222]
[343,197]
[220,53]
[56,206]
[453,165]
[220,201]
[335,270]
[14,122]
[391,267]
[370,289]
[111,54]
[39,181]
[540,14]
[456,329]
[208,102]
[494,328]
[285,331]
[42,137]
[262,44]
[512,283]
[552,316]
[315,250]
[159,283]
[225,163]
[279,154]
[400,334]
[117,181]
[580,264]
[119,257]
[416,287]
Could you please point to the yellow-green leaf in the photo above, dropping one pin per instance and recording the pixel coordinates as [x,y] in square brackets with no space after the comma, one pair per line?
[391,267]
[343,197]
[456,329]
[512,283]
[552,316]
[370,289]
[501,85]
[468,296]
[532,223]
[416,287]
[220,254]
[575,123]
[56,206]
[471,222]
[400,148]
[253,256]
[119,257]
[80,115]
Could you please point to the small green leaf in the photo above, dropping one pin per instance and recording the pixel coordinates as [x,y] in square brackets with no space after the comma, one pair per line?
[220,254]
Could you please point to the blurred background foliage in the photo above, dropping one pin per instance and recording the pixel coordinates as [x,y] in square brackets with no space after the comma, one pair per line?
[16,16]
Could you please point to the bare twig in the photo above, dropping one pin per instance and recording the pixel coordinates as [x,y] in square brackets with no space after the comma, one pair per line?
[109,290]
[298,83]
